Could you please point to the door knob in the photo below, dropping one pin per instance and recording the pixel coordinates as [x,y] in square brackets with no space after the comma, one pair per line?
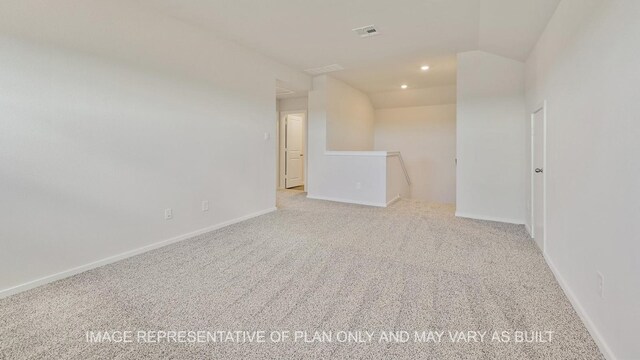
[538,170]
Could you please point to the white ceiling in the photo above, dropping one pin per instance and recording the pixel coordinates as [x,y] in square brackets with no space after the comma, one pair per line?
[313,33]
[388,75]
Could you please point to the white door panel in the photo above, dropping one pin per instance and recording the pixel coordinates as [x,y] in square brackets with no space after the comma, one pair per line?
[294,168]
[538,167]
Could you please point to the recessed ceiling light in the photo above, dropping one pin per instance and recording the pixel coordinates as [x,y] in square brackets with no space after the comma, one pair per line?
[424,67]
[404,86]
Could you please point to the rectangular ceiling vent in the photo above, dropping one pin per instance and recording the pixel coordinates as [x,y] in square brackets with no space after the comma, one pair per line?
[280,91]
[366,31]
[324,69]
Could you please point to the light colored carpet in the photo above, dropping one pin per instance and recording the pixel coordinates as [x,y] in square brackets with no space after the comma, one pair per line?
[312,265]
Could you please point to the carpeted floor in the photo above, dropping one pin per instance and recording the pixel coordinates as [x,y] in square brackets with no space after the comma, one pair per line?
[314,266]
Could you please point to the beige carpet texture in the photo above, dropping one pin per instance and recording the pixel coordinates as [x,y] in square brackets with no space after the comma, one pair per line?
[313,280]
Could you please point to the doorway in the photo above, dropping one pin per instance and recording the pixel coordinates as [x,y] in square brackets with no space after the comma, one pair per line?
[292,129]
[538,176]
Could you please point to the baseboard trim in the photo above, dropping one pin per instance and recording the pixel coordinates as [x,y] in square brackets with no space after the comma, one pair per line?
[586,320]
[127,254]
[357,202]
[489,218]
[393,200]
[528,228]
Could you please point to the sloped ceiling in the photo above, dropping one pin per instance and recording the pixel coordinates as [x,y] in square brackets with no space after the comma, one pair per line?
[314,33]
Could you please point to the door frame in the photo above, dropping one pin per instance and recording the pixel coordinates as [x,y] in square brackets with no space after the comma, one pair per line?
[281,155]
[540,108]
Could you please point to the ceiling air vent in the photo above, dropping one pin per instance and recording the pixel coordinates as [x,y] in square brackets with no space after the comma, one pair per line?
[366,31]
[324,69]
[280,91]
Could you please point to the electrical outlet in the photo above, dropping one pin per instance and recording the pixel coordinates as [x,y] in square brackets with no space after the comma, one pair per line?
[358,185]
[168,214]
[600,285]
[205,205]
[267,136]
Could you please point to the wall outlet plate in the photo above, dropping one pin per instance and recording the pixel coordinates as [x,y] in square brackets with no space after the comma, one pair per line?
[168,214]
[205,205]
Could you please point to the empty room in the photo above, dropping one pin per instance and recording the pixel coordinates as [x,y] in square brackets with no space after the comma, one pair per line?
[320,179]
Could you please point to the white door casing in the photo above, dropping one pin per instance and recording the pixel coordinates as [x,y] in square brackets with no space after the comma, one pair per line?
[294,161]
[538,176]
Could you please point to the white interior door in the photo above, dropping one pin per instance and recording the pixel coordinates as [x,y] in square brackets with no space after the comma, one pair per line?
[538,182]
[294,167]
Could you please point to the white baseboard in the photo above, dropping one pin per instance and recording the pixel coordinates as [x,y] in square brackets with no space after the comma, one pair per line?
[489,218]
[526,226]
[393,200]
[367,203]
[595,334]
[111,259]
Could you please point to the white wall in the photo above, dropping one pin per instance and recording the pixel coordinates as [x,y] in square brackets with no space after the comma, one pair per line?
[347,176]
[112,113]
[293,104]
[350,117]
[586,67]
[437,95]
[490,138]
[426,138]
[397,182]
